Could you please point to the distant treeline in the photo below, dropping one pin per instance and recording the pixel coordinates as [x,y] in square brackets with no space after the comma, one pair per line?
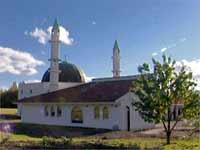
[8,98]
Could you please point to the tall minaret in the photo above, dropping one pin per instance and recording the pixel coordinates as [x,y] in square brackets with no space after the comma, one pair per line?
[116,60]
[54,60]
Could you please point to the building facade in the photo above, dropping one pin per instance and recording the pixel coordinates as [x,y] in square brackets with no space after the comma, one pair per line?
[64,98]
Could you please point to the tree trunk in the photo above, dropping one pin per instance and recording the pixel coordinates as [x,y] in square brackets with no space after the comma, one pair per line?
[168,131]
[168,136]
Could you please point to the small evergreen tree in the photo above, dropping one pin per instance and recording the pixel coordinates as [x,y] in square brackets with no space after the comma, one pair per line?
[161,90]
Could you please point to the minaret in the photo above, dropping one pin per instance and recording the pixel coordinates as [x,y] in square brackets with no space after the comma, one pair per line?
[54,60]
[116,60]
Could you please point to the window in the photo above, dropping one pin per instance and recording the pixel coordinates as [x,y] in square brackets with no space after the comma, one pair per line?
[46,111]
[21,91]
[31,91]
[52,111]
[59,111]
[76,115]
[96,112]
[105,113]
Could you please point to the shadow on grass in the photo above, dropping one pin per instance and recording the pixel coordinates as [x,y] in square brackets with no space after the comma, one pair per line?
[35,130]
[60,145]
[9,117]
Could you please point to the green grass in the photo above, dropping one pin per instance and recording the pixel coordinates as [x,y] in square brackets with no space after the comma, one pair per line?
[23,134]
[186,144]
[176,144]
[23,137]
[153,143]
[8,111]
[18,137]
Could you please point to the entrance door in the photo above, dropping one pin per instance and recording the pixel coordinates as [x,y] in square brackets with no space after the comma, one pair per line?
[128,118]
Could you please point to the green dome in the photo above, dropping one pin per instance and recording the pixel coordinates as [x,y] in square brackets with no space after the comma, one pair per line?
[69,73]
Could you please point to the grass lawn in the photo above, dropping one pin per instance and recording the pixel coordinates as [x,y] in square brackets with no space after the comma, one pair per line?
[32,134]
[8,115]
[142,143]
[8,111]
[18,137]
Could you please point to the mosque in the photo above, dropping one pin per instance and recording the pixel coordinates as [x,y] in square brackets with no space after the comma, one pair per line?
[63,97]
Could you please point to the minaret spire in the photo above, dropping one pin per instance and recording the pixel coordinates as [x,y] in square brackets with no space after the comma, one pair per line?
[116,60]
[55,25]
[54,60]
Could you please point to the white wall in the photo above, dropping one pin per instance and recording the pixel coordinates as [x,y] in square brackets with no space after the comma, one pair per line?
[40,88]
[34,113]
[136,122]
[37,88]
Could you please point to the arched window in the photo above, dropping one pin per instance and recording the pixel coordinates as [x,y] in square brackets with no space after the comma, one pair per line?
[76,115]
[96,112]
[105,113]
[46,110]
[52,111]
[59,111]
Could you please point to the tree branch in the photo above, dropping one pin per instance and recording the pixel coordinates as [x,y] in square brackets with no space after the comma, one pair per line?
[175,123]
[193,131]
[164,125]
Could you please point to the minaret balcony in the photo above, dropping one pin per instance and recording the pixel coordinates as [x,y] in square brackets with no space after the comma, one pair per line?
[54,59]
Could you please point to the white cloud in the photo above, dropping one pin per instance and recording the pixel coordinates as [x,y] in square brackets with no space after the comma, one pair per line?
[4,88]
[183,39]
[64,35]
[191,66]
[18,62]
[41,35]
[44,35]
[154,54]
[163,49]
[32,81]
[26,32]
[93,22]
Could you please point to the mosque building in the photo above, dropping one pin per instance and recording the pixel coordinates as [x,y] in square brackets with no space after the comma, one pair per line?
[63,97]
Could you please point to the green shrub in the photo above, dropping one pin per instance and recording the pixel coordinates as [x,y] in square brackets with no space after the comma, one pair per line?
[47,141]
[122,146]
[66,140]
[3,140]
[134,146]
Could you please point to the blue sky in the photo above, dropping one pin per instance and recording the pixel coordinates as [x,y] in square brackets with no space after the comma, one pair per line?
[143,28]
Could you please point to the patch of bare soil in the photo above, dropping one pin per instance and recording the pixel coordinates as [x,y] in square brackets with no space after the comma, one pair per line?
[158,132]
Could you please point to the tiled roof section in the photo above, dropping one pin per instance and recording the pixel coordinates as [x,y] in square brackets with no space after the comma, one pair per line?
[107,91]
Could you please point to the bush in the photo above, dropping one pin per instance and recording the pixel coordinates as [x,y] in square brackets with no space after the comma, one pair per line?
[65,140]
[47,141]
[3,140]
[134,146]
[122,146]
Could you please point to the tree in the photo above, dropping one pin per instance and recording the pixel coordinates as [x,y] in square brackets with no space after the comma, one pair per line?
[193,117]
[161,90]
[8,98]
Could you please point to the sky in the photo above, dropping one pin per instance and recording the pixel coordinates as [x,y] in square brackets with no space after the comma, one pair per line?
[144,29]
